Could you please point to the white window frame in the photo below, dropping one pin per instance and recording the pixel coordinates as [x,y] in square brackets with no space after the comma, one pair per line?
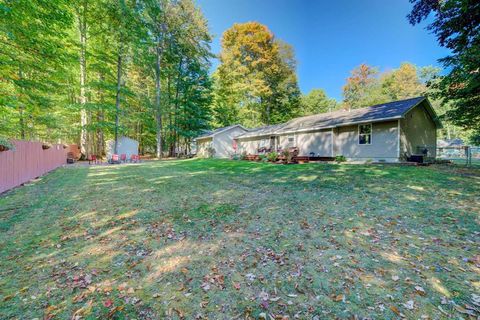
[292,136]
[364,134]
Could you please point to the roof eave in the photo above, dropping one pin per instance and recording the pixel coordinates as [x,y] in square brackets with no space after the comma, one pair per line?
[228,128]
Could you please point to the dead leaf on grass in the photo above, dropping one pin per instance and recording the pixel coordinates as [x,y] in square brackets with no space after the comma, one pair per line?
[396,311]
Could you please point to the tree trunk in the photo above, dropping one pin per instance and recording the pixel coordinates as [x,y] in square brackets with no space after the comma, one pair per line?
[158,109]
[177,91]
[21,108]
[100,119]
[82,27]
[117,99]
[170,115]
[100,136]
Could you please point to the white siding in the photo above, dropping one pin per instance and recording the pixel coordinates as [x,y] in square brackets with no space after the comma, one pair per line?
[223,142]
[202,147]
[124,146]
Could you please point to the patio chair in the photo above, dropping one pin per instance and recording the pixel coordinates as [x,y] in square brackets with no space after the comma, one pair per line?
[134,158]
[123,157]
[92,158]
[115,159]
[70,157]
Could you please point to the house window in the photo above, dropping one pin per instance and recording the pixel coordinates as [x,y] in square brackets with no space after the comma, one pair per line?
[291,141]
[365,133]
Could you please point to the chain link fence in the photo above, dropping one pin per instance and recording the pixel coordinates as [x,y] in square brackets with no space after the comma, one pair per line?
[460,154]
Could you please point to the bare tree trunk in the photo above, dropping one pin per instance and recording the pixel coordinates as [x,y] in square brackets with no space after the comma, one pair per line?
[100,119]
[21,108]
[158,108]
[177,92]
[117,99]
[170,115]
[100,136]
[82,28]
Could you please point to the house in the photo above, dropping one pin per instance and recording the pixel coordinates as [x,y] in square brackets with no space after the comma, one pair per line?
[457,142]
[125,146]
[219,143]
[386,132]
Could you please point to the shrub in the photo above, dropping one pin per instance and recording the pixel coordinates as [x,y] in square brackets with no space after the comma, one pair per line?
[235,156]
[288,156]
[211,152]
[6,144]
[272,156]
[243,156]
[263,157]
[340,158]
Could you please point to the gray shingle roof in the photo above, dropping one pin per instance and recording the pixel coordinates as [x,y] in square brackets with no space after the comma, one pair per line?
[384,111]
[211,133]
[262,131]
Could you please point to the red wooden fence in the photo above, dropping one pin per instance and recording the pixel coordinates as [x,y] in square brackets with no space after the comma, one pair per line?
[27,162]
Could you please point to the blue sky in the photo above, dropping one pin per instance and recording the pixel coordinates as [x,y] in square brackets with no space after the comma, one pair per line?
[330,38]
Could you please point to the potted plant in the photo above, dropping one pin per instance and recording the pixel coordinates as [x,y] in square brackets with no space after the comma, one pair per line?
[6,145]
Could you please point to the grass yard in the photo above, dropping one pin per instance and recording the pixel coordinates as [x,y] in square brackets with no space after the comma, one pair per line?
[215,239]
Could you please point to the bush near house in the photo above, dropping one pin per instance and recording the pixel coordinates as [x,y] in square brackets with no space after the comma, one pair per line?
[272,156]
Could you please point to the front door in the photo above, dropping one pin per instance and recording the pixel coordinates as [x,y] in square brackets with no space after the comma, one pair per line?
[272,144]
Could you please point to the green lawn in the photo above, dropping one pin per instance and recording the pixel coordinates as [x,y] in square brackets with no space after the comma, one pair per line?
[214,239]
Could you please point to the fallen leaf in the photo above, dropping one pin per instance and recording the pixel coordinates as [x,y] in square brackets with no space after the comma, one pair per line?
[6,298]
[108,303]
[396,311]
[409,305]
[420,290]
[112,312]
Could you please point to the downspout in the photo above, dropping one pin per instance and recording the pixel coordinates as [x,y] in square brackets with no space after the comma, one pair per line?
[333,141]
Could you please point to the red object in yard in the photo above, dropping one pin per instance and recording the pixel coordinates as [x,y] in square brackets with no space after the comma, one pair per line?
[134,158]
[92,158]
[114,157]
[123,157]
[234,145]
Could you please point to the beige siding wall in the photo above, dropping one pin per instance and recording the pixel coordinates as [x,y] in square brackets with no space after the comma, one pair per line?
[202,147]
[418,130]
[250,146]
[223,142]
[319,142]
[384,142]
[283,142]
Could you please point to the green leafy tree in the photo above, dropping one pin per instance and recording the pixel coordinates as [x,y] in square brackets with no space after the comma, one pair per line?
[256,77]
[455,24]
[316,101]
[34,55]
[361,88]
